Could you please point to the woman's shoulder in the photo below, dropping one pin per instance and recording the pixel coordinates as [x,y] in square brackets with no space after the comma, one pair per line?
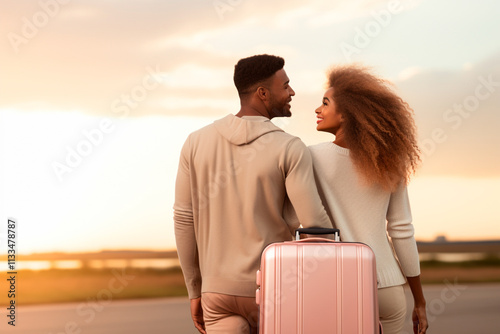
[328,146]
[320,146]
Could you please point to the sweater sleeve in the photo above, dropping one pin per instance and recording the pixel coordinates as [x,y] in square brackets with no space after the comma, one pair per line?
[290,216]
[184,227]
[301,187]
[401,231]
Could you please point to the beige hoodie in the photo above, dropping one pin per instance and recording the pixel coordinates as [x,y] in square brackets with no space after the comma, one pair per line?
[233,178]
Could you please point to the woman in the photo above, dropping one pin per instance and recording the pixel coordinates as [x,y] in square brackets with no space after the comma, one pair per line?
[362,177]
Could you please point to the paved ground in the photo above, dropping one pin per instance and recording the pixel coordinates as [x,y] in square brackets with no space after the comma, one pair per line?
[452,308]
[461,308]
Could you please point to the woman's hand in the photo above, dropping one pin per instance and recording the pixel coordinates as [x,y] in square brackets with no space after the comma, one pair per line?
[419,318]
[419,315]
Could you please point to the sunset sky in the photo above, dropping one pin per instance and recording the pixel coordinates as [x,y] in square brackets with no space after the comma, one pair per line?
[97,98]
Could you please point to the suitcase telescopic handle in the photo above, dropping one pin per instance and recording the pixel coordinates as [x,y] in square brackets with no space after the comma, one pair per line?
[317,230]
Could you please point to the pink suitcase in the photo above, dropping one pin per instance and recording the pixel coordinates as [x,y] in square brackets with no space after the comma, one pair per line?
[316,286]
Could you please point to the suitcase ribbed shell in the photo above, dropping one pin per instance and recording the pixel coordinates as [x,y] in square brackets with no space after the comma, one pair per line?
[315,286]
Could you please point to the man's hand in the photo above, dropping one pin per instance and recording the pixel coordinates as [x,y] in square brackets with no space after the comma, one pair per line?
[197,315]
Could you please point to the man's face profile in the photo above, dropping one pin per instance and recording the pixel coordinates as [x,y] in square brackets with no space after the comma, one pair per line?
[280,95]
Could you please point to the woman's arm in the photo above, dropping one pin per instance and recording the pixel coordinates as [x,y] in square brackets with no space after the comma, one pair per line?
[419,315]
[401,231]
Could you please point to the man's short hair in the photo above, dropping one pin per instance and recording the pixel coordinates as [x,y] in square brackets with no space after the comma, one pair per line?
[252,70]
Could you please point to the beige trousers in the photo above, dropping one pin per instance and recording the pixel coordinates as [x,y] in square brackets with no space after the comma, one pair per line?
[239,315]
[229,314]
[392,309]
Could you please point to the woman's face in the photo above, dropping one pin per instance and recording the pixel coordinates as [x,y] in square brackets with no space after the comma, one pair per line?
[329,120]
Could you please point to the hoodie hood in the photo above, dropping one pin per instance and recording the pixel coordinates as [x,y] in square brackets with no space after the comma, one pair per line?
[241,131]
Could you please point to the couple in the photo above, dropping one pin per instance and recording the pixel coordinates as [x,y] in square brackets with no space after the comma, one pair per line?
[237,175]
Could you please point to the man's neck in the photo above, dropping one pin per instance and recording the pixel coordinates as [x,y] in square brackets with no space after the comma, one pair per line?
[251,111]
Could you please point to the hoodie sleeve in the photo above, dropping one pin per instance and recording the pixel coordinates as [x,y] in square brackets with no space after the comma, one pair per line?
[301,187]
[184,227]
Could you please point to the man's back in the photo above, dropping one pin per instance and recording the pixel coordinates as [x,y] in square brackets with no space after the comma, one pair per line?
[239,171]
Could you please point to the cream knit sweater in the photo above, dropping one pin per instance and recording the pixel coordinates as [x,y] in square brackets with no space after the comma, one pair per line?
[367,214]
[233,180]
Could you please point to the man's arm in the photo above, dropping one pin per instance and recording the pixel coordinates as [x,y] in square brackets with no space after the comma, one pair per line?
[301,186]
[184,226]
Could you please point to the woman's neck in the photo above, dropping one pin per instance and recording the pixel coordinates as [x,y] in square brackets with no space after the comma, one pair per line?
[340,139]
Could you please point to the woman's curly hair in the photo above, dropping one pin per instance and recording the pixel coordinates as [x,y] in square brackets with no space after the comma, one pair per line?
[378,126]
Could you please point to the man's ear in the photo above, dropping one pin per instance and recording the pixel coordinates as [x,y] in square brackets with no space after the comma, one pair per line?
[262,93]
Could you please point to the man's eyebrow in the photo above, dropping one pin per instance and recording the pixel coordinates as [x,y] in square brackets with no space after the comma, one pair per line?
[286,83]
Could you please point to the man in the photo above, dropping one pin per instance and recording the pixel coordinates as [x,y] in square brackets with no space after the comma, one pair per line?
[232,185]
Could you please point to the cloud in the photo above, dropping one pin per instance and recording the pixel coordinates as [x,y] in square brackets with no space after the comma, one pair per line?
[359,10]
[458,119]
[83,54]
[408,73]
